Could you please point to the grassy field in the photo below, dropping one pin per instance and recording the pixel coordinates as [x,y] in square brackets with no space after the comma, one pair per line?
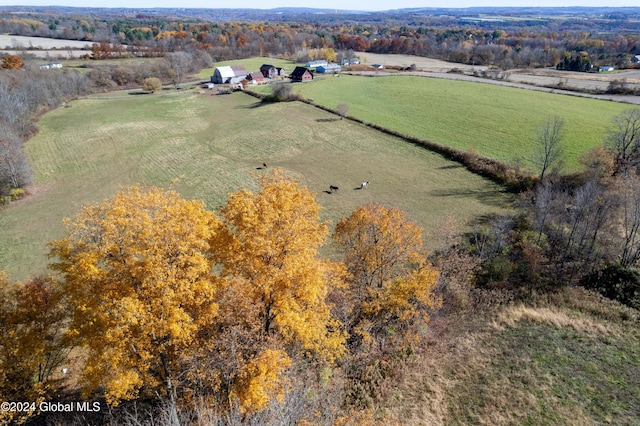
[496,121]
[207,146]
[572,360]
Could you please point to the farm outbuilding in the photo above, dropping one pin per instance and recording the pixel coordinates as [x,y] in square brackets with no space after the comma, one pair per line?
[315,64]
[350,61]
[301,74]
[329,68]
[229,74]
[255,77]
[269,71]
[240,72]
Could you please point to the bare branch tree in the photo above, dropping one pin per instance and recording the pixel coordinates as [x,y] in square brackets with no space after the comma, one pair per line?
[624,140]
[14,167]
[180,64]
[629,190]
[548,150]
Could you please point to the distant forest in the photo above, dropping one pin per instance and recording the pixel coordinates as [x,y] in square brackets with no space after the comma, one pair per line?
[506,38]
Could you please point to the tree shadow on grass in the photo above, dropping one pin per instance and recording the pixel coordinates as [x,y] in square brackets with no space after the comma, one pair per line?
[255,105]
[141,92]
[495,198]
[481,220]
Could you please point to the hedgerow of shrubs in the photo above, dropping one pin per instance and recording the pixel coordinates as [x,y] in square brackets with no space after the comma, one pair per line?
[617,282]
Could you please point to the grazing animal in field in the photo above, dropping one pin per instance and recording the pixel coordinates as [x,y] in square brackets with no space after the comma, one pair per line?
[264,165]
[363,185]
[333,188]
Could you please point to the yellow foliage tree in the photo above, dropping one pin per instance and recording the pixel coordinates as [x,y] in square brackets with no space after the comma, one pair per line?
[391,285]
[261,379]
[276,285]
[136,273]
[151,84]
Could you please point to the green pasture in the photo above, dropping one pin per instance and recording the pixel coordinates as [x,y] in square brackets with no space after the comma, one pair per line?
[496,121]
[251,64]
[206,146]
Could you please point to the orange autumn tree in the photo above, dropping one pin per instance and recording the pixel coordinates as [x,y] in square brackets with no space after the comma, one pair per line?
[12,62]
[33,347]
[136,273]
[391,284]
[274,308]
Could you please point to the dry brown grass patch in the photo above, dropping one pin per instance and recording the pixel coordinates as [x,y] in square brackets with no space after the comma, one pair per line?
[513,315]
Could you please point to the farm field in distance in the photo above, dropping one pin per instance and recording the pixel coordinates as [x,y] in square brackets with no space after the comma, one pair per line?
[498,122]
[207,146]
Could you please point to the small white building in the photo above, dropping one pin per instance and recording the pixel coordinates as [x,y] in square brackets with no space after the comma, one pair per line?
[51,66]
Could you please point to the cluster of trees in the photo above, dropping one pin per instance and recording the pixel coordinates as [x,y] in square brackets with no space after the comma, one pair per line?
[55,25]
[233,315]
[172,68]
[581,229]
[24,93]
[508,44]
[580,62]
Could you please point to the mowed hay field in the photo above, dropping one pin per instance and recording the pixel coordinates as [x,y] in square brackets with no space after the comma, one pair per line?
[498,122]
[206,146]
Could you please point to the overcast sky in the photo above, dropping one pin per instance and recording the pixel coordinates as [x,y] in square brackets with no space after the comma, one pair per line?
[330,4]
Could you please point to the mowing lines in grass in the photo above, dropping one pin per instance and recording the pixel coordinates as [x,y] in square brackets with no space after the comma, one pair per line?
[207,146]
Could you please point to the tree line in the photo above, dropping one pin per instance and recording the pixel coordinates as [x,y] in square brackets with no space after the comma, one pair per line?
[506,44]
[24,95]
